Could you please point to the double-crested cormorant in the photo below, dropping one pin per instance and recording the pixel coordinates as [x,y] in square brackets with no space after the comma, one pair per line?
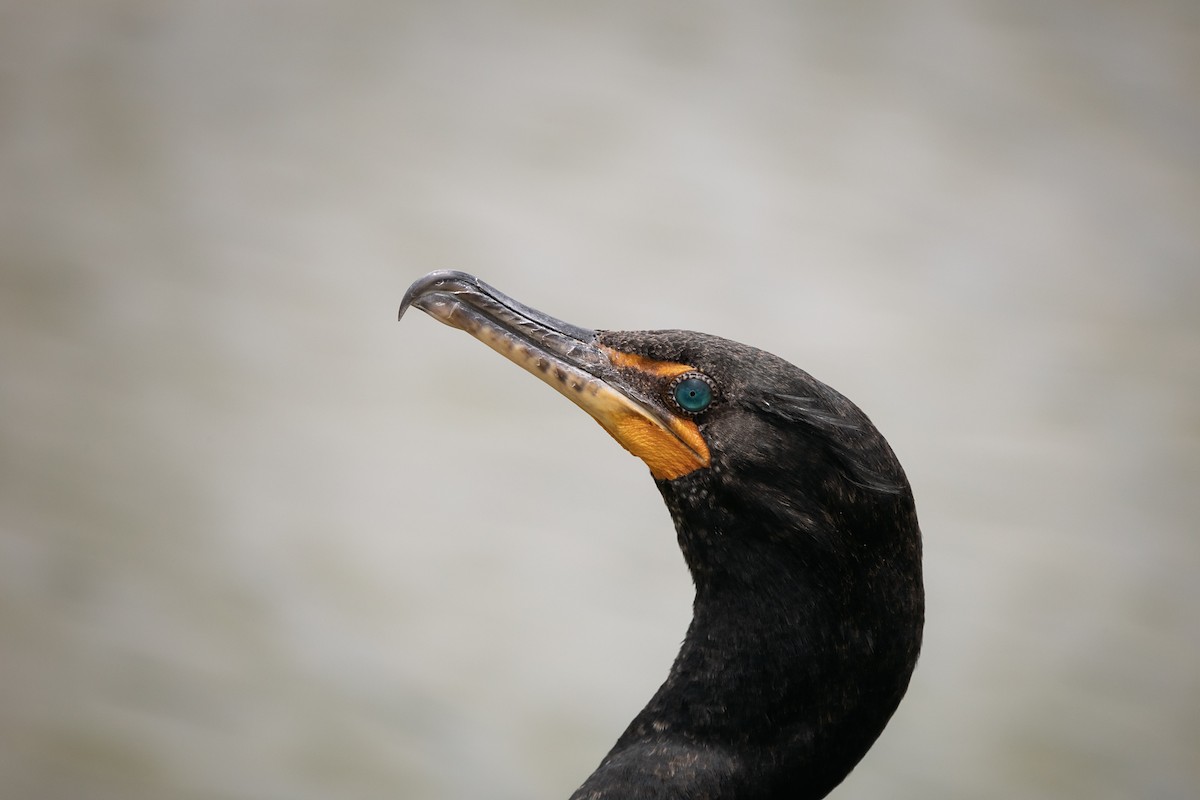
[797,524]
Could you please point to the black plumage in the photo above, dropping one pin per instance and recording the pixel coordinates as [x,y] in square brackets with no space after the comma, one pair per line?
[798,527]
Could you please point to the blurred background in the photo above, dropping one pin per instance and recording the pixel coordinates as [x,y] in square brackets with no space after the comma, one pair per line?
[259,541]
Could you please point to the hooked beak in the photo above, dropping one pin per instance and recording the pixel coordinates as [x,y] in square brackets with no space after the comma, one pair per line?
[614,387]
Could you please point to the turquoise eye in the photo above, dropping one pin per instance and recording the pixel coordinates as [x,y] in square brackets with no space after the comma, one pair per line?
[693,393]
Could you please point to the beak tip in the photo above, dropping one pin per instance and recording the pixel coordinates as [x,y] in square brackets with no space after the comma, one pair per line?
[430,283]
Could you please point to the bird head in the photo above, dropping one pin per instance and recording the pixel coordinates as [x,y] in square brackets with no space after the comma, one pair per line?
[732,435]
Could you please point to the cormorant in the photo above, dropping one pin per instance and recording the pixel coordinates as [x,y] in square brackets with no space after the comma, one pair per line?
[797,524]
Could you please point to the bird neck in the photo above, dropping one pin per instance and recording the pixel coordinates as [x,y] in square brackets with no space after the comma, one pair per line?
[771,700]
[794,661]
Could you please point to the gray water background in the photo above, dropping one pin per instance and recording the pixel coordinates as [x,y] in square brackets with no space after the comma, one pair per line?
[259,541]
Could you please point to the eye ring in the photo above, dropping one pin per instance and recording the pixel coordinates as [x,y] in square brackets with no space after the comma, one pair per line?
[692,392]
